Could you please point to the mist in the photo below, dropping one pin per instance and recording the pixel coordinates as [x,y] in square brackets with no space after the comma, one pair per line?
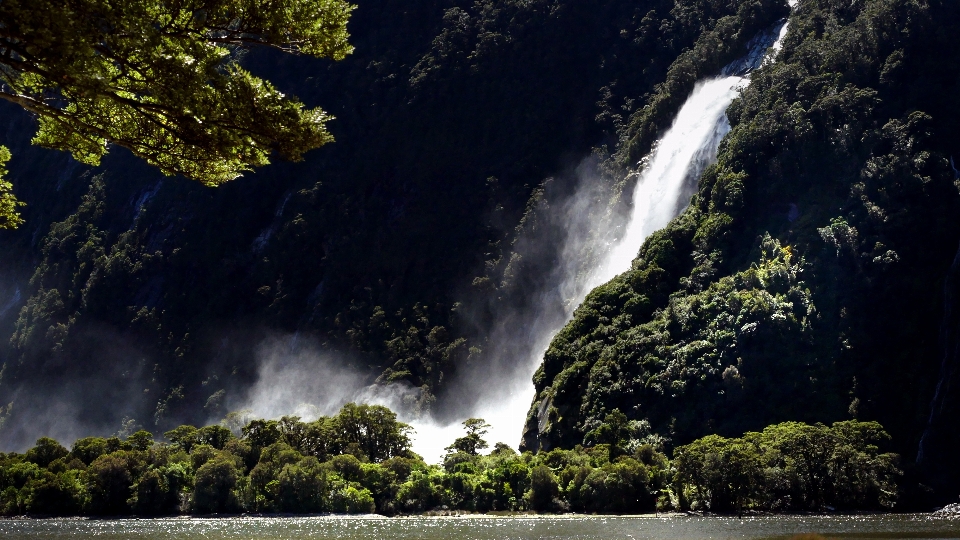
[577,236]
[295,376]
[68,403]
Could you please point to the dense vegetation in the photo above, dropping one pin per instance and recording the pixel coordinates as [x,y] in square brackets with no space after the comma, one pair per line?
[359,461]
[162,81]
[370,247]
[812,278]
[806,281]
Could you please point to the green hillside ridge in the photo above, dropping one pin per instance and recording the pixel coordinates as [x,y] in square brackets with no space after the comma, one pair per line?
[806,279]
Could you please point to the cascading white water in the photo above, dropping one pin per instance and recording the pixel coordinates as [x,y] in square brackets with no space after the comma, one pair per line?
[520,337]
[682,153]
[662,191]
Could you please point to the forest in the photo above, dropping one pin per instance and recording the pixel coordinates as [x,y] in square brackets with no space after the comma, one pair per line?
[359,461]
[169,284]
[812,276]
[745,361]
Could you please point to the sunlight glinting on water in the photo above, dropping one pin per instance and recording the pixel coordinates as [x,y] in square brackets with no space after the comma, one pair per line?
[474,527]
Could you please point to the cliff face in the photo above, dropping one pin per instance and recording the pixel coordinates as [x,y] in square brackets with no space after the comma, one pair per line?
[127,294]
[812,277]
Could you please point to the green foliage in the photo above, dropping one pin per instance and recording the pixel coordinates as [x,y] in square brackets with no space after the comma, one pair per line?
[786,467]
[303,487]
[9,216]
[88,449]
[696,346]
[45,452]
[805,281]
[109,482]
[789,466]
[544,489]
[374,429]
[215,436]
[142,440]
[160,80]
[214,487]
[183,437]
[159,490]
[352,500]
[57,494]
[473,441]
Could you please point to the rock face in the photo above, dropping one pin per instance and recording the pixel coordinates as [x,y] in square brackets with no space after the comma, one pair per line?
[806,280]
[949,510]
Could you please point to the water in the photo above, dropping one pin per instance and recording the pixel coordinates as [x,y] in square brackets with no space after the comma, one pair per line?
[517,345]
[487,528]
[667,183]
[663,189]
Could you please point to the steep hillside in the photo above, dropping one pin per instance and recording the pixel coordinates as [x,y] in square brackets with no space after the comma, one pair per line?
[132,295]
[813,276]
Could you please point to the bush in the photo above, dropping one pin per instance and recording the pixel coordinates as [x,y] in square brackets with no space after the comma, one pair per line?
[57,494]
[214,487]
[109,481]
[45,452]
[303,487]
[544,489]
[790,466]
[352,500]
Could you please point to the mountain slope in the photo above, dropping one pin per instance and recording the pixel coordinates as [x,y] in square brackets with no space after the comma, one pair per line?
[811,278]
[150,297]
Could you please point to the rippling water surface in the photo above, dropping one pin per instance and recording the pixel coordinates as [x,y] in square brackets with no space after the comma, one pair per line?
[485,528]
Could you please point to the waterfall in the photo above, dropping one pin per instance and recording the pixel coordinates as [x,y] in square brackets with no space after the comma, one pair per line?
[663,189]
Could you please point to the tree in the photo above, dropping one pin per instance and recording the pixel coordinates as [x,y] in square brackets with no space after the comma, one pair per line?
[214,489]
[141,440]
[45,452]
[302,486]
[109,483]
[473,441]
[184,436]
[374,428]
[215,436]
[88,449]
[543,488]
[162,80]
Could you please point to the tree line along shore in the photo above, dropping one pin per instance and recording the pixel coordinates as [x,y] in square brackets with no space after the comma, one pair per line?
[360,461]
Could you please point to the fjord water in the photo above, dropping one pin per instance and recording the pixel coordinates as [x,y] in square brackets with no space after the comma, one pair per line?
[487,528]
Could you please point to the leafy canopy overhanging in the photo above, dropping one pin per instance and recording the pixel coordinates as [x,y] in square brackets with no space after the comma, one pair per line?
[159,78]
